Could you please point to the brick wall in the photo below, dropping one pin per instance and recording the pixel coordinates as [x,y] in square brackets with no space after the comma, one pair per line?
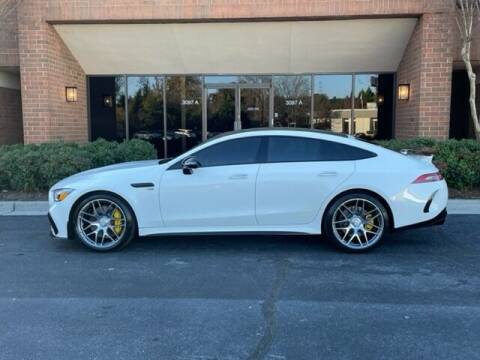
[94,10]
[11,131]
[406,119]
[8,37]
[436,76]
[427,67]
[475,51]
[47,67]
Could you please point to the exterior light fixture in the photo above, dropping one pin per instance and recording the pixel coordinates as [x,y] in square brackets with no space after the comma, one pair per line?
[107,101]
[380,99]
[404,92]
[71,94]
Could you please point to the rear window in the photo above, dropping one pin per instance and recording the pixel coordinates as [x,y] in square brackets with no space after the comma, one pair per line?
[300,149]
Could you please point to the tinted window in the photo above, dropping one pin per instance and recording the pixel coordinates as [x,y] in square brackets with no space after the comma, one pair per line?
[332,151]
[282,148]
[295,149]
[231,152]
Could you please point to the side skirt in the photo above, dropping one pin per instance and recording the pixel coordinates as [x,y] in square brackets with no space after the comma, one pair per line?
[219,233]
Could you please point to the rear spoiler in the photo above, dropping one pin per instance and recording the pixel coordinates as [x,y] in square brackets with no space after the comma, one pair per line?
[425,158]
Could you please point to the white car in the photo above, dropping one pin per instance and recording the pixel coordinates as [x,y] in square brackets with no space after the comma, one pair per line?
[263,181]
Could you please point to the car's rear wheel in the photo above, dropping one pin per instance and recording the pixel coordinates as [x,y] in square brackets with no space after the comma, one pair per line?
[104,222]
[355,222]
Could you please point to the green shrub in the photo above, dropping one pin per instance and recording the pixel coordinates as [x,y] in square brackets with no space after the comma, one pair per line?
[38,167]
[458,160]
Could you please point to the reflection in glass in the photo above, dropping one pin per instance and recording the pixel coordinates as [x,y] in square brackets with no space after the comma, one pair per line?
[221,79]
[145,110]
[365,123]
[254,107]
[120,90]
[372,106]
[292,101]
[220,111]
[332,103]
[184,113]
[107,119]
[238,79]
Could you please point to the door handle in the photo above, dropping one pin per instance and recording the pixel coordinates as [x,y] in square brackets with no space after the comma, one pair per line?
[238,176]
[328,173]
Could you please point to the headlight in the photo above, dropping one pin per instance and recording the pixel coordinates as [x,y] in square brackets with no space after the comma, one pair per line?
[61,194]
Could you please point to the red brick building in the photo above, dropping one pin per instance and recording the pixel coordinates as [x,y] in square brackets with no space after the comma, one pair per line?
[177,72]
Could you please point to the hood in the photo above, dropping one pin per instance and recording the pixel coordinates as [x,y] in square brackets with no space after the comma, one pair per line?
[137,165]
[122,166]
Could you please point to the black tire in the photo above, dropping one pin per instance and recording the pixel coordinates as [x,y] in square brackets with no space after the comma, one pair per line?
[129,231]
[333,235]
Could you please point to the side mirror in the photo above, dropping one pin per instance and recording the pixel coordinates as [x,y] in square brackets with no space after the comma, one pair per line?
[189,164]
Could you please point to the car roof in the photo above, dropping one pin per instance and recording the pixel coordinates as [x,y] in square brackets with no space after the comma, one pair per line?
[279,129]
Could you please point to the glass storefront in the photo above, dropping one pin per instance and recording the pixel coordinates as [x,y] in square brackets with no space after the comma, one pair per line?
[332,102]
[184,113]
[365,112]
[292,101]
[177,112]
[145,109]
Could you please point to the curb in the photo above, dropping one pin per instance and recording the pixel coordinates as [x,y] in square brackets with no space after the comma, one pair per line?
[23,208]
[39,208]
[465,207]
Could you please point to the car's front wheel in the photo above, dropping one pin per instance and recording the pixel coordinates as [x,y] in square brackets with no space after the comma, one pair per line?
[355,222]
[104,222]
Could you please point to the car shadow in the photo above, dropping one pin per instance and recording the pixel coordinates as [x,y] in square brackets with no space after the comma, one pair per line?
[411,241]
[233,243]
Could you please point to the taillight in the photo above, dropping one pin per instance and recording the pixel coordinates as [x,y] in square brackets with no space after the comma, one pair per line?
[426,178]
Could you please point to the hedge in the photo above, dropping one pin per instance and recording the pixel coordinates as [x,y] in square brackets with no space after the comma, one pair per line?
[37,167]
[458,160]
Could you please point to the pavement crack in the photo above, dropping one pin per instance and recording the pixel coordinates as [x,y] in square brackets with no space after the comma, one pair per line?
[269,311]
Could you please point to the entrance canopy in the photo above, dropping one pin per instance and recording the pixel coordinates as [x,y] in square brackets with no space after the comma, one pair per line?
[283,47]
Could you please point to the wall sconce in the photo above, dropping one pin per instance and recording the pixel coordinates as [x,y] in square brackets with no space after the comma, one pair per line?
[404,92]
[71,94]
[380,99]
[107,101]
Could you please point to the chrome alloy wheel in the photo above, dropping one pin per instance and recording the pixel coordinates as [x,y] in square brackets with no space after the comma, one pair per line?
[101,223]
[358,223]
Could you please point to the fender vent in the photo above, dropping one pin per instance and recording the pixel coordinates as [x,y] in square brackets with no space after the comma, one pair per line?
[426,209]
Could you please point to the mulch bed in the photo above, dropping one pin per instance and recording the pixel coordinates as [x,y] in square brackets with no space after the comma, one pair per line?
[23,196]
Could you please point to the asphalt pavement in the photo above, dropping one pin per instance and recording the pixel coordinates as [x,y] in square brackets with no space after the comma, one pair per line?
[240,297]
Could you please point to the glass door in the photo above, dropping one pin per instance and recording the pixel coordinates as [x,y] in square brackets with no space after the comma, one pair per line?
[220,110]
[254,107]
[231,107]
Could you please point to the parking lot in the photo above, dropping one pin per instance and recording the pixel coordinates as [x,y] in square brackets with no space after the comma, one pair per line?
[240,297]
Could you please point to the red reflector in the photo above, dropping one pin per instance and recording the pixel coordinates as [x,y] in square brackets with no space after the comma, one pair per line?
[425,178]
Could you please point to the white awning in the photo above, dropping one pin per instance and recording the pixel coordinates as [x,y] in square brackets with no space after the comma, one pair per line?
[362,45]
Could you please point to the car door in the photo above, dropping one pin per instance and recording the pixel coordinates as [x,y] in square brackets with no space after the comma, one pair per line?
[220,192]
[293,184]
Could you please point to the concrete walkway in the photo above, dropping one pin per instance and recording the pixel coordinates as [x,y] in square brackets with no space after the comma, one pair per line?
[26,208]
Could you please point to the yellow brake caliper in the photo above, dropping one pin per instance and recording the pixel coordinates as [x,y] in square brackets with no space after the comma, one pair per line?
[117,221]
[369,225]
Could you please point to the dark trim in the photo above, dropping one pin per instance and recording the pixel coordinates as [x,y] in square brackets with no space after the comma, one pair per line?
[89,117]
[426,209]
[178,165]
[394,105]
[230,20]
[142,185]
[262,155]
[52,224]
[222,233]
[437,220]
